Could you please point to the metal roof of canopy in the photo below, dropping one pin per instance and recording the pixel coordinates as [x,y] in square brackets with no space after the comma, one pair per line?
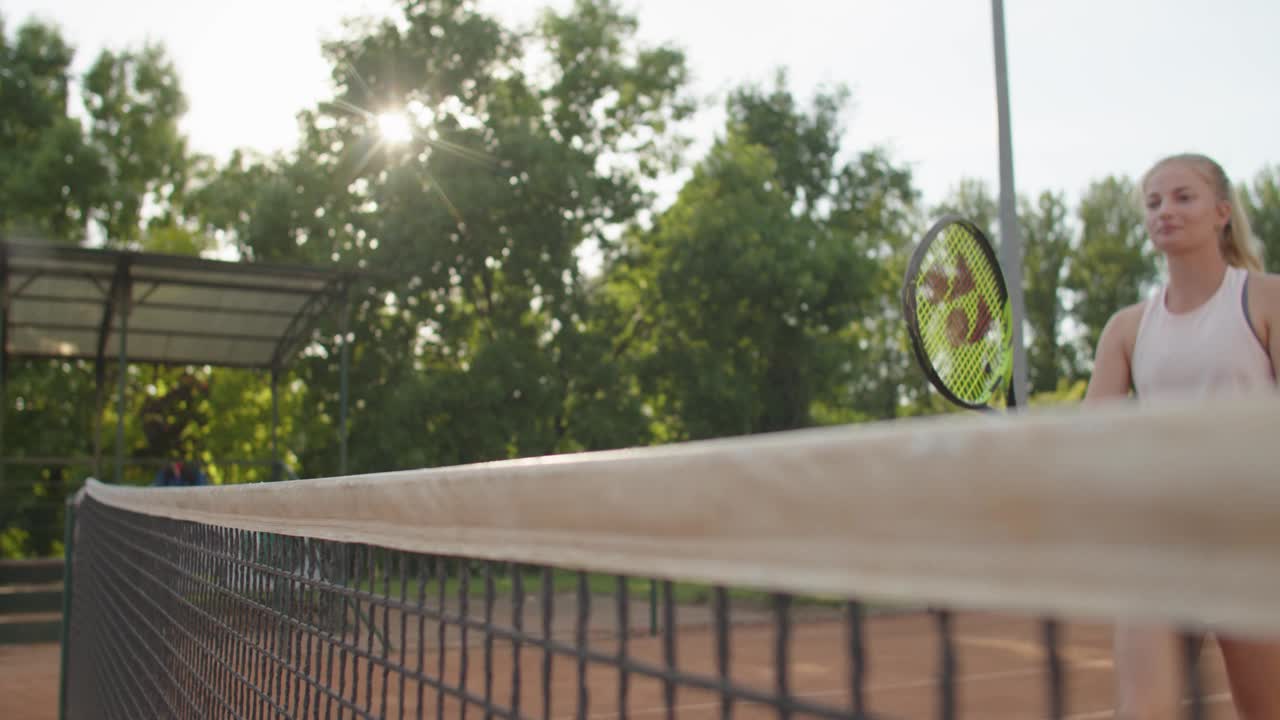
[65,301]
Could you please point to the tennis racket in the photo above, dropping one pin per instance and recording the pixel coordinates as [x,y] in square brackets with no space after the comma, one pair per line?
[957,309]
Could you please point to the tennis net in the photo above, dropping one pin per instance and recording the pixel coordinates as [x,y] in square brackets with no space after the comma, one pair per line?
[967,566]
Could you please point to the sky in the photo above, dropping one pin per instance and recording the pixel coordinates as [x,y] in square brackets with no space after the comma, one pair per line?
[1096,87]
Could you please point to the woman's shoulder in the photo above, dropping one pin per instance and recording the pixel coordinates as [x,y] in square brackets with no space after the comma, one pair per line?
[1128,318]
[1263,291]
[1265,281]
[1122,328]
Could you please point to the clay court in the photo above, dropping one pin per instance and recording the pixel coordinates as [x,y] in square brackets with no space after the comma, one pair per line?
[1000,675]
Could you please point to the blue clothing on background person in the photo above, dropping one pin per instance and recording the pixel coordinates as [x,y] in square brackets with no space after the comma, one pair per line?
[180,474]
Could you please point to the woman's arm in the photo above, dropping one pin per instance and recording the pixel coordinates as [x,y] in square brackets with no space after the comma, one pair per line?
[1264,308]
[1111,364]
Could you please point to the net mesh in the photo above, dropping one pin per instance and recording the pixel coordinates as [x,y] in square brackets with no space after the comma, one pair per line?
[744,578]
[963,318]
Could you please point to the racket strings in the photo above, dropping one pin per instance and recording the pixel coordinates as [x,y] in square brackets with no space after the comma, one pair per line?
[962,316]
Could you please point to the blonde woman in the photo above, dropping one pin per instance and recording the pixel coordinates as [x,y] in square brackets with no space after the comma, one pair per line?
[1214,328]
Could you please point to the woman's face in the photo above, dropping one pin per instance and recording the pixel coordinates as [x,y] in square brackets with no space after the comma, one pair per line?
[1183,212]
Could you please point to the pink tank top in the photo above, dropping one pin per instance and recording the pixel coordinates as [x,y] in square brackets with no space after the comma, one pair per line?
[1211,350]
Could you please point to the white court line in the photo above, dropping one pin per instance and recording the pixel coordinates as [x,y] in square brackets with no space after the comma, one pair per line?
[903,685]
[1102,714]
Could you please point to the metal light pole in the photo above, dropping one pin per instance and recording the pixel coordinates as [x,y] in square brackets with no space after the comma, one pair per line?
[1010,239]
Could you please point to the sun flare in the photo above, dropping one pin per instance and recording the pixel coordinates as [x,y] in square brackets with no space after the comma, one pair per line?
[394,127]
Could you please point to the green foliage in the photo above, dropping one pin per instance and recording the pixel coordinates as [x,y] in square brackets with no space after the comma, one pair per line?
[45,160]
[973,199]
[1262,203]
[135,103]
[48,413]
[746,292]
[765,298]
[1066,393]
[1114,265]
[877,210]
[176,240]
[235,425]
[172,411]
[1047,245]
[490,345]
[726,300]
[120,168]
[803,144]
[56,174]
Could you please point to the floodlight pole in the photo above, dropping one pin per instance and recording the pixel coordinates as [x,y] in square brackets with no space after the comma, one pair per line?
[1010,240]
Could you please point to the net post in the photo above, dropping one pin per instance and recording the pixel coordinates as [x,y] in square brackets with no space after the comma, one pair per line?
[68,553]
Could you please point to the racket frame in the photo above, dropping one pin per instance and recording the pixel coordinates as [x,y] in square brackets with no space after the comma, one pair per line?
[909,286]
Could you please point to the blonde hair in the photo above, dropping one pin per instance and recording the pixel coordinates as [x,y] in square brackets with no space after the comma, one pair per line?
[1239,247]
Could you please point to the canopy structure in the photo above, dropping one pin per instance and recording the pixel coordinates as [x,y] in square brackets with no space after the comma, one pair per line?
[63,301]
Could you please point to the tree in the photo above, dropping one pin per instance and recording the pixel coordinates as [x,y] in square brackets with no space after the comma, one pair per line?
[135,102]
[46,415]
[1262,203]
[56,175]
[803,144]
[126,170]
[745,295]
[47,172]
[877,209]
[726,297]
[973,200]
[267,209]
[1047,244]
[1113,265]
[481,339]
